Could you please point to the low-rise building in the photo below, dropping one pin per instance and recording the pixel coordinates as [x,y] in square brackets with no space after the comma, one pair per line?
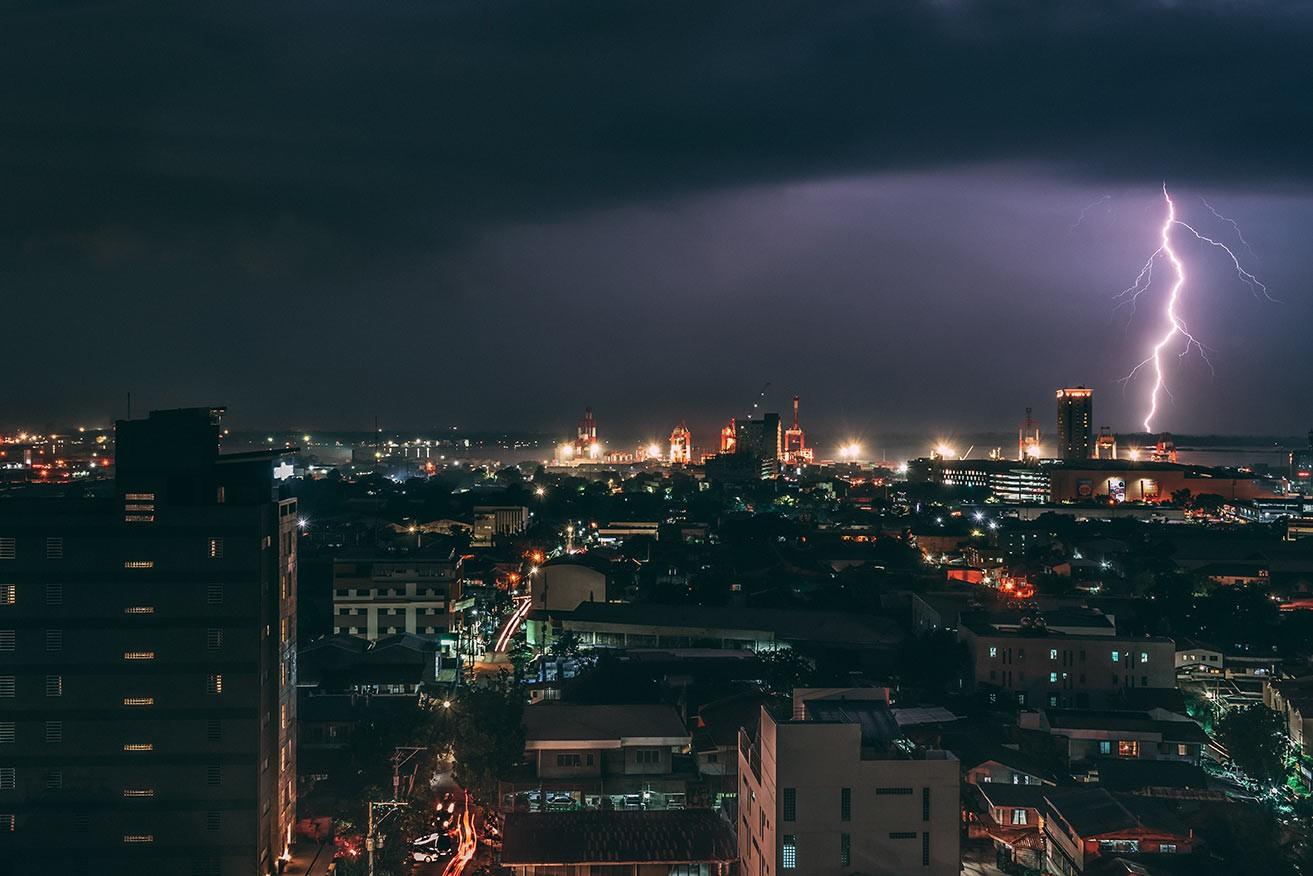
[384,595]
[841,790]
[694,842]
[1034,664]
[1084,825]
[492,521]
[1086,737]
[1293,698]
[1009,815]
[595,756]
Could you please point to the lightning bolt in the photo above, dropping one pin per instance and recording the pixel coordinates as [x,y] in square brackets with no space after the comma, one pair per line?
[1240,235]
[1176,326]
[1084,211]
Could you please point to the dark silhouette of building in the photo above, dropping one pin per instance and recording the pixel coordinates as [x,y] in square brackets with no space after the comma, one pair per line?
[147,702]
[1075,419]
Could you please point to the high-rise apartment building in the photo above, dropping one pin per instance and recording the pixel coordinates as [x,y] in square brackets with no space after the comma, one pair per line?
[147,696]
[1075,423]
[836,789]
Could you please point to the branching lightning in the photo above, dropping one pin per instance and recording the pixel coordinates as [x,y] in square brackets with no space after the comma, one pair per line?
[1084,211]
[1176,326]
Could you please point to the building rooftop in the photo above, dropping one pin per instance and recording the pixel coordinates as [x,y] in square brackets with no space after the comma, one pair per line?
[1094,812]
[786,625]
[553,722]
[1089,719]
[681,836]
[1137,774]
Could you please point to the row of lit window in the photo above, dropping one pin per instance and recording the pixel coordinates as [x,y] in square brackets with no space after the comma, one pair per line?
[1053,654]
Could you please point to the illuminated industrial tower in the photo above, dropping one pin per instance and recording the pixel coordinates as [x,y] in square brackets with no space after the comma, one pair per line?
[585,442]
[796,451]
[1075,416]
[729,437]
[1028,438]
[681,445]
[1105,447]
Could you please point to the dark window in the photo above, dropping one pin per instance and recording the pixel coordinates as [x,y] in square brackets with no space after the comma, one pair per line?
[902,834]
[898,792]
[213,775]
[925,849]
[845,850]
[925,804]
[213,730]
[845,804]
[789,804]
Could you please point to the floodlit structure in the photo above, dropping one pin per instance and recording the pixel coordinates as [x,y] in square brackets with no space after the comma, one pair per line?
[585,442]
[681,445]
[729,437]
[1105,447]
[1028,438]
[796,451]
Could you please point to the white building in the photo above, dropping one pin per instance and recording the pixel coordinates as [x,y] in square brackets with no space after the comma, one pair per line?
[841,791]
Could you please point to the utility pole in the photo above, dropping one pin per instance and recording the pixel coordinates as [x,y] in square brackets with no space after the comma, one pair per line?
[400,757]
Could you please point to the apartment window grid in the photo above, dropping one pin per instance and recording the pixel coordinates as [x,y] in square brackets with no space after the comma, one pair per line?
[55,548]
[214,684]
[54,731]
[214,594]
[216,548]
[8,732]
[925,848]
[789,804]
[8,548]
[845,850]
[55,593]
[8,594]
[7,822]
[213,775]
[214,639]
[54,640]
[55,780]
[845,804]
[213,730]
[8,640]
[789,852]
[925,804]
[8,778]
[894,792]
[54,685]
[212,820]
[7,686]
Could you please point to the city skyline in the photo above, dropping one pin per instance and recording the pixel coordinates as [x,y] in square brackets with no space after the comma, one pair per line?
[384,260]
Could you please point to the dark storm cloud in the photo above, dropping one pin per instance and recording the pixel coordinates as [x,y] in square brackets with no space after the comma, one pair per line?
[181,166]
[422,118]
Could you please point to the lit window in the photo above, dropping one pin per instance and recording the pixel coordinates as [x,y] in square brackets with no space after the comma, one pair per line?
[1128,748]
[54,685]
[1053,677]
[138,701]
[134,838]
[789,853]
[139,609]
[138,792]
[8,594]
[1116,656]
[216,549]
[1053,653]
[1167,848]
[1144,656]
[1018,816]
[138,655]
[993,651]
[138,746]
[138,564]
[214,684]
[845,850]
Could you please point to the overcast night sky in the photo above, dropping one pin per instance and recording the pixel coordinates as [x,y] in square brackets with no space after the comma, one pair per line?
[493,213]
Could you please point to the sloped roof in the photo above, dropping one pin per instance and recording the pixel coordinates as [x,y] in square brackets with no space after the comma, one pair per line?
[570,722]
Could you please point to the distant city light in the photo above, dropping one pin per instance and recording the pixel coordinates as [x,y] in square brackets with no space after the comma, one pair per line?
[945,451]
[850,451]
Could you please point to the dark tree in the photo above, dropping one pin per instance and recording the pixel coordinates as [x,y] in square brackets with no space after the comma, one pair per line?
[1256,740]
